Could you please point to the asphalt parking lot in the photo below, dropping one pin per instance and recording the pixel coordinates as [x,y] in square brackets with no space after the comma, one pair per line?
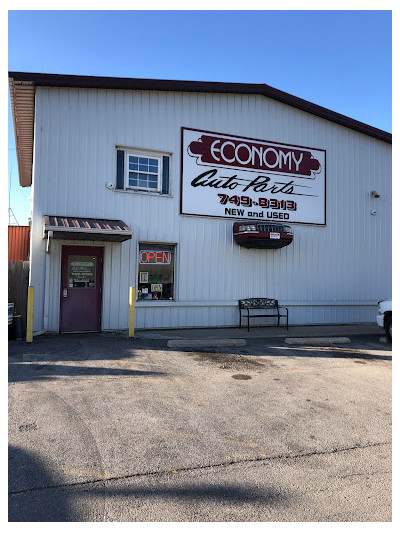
[103,428]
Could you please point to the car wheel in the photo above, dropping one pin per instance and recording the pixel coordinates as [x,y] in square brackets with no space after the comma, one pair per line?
[388,327]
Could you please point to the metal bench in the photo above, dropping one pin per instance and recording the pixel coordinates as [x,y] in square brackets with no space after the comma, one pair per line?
[250,304]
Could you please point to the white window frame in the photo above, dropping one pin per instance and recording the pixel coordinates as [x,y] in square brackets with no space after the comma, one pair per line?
[148,155]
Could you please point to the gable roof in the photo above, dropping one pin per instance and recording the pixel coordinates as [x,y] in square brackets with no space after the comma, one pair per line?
[22,91]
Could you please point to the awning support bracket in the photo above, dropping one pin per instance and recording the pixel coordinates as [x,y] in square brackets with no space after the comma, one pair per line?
[49,236]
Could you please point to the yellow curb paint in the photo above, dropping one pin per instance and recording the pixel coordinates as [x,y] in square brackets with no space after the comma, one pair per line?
[131,312]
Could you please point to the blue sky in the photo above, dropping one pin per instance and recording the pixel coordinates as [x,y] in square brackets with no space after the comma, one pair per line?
[337,59]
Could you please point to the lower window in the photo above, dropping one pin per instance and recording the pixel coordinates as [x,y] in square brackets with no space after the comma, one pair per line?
[156,278]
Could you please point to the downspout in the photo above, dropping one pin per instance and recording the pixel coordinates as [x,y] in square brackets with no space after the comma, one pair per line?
[46,288]
[47,283]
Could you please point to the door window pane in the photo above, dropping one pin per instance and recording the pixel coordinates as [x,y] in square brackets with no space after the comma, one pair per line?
[81,272]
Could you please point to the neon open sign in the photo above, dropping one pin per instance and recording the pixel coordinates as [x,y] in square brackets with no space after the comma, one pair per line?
[154,257]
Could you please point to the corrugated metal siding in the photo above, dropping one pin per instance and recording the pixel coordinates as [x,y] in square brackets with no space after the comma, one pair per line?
[18,243]
[329,274]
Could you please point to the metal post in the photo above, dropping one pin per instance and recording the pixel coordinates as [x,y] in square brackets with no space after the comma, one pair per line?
[29,319]
[131,312]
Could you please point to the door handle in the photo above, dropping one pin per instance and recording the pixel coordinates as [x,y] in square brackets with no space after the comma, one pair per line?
[65,293]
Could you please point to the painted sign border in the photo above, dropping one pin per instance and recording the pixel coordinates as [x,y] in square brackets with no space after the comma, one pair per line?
[250,139]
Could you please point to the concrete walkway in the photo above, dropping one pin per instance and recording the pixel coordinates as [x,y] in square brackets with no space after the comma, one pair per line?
[325,330]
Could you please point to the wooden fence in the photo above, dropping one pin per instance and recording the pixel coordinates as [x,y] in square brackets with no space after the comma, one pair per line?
[18,280]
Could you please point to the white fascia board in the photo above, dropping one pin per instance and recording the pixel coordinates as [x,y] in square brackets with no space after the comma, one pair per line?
[86,230]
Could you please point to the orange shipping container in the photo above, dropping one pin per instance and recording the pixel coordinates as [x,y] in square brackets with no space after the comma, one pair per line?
[18,243]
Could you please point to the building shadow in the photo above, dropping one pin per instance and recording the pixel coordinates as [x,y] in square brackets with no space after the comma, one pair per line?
[38,495]
[73,347]
[26,473]
[278,348]
[230,493]
[46,372]
[346,351]
[110,347]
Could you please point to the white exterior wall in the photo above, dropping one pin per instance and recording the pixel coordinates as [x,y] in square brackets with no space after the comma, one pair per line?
[330,274]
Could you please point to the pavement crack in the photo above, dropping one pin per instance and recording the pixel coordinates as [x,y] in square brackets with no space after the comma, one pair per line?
[363,474]
[178,470]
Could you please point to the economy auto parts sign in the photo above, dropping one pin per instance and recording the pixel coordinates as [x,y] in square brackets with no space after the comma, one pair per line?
[238,177]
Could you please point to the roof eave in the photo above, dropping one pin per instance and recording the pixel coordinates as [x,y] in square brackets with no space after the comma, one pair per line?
[22,98]
[23,128]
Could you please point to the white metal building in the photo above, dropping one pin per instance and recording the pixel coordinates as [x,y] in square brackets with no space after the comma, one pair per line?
[138,183]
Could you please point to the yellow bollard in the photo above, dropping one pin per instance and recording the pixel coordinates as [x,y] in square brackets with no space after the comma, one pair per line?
[131,312]
[29,318]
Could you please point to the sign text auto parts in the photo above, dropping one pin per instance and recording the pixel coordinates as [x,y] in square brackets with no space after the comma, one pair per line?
[237,177]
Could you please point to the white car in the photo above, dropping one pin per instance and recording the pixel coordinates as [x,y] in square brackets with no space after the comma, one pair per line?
[384,317]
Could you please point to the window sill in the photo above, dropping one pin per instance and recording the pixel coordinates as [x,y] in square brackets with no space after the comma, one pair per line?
[180,303]
[161,303]
[147,193]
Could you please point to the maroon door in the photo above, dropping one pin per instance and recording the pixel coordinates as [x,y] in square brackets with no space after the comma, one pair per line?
[81,282]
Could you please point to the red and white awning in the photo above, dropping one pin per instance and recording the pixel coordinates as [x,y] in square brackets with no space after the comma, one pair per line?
[86,229]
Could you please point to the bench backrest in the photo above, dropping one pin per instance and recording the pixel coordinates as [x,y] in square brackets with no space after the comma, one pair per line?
[258,303]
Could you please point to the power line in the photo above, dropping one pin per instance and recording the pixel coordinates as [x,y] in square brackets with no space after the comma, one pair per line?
[10,211]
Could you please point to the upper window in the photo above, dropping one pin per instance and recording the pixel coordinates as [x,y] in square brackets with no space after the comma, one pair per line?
[142,171]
